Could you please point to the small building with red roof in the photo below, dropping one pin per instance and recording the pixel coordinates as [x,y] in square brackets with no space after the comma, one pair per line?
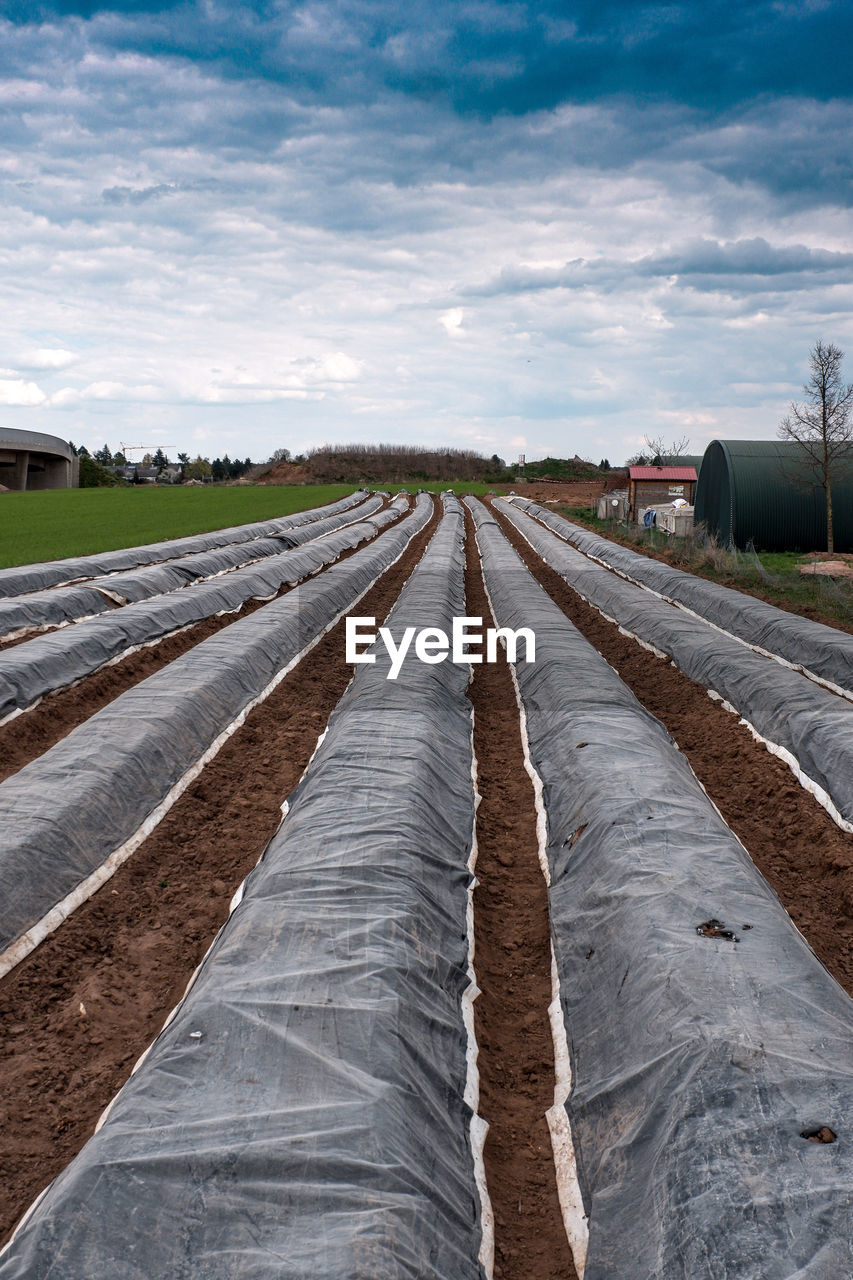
[651,486]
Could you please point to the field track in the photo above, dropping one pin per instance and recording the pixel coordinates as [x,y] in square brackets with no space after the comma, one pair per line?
[81,1009]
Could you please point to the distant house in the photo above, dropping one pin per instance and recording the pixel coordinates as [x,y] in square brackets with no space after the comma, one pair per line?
[172,474]
[651,486]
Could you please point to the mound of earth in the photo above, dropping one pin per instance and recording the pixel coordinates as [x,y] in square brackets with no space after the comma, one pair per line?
[286,473]
[828,564]
[571,493]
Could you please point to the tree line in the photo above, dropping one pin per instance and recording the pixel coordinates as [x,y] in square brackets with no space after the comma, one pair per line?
[393,463]
[198,468]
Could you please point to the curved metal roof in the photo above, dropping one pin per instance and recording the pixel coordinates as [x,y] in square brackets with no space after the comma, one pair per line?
[768,492]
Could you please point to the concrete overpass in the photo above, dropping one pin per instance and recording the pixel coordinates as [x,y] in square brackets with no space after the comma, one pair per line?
[30,460]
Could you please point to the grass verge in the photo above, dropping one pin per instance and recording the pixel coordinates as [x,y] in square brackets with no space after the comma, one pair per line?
[773,576]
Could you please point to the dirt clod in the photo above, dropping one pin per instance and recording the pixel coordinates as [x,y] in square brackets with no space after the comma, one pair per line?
[716,929]
[824,1134]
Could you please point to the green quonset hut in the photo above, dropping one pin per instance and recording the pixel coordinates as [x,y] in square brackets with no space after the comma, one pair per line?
[764,491]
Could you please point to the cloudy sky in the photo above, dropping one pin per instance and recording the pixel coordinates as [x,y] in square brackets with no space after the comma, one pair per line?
[519,227]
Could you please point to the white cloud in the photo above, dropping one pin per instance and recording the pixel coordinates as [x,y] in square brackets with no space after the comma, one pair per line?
[339,367]
[72,396]
[255,395]
[452,321]
[47,358]
[751,321]
[253,251]
[15,391]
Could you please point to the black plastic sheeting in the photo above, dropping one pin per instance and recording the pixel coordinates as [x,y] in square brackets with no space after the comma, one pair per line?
[813,725]
[34,577]
[304,1114]
[66,813]
[811,646]
[59,605]
[29,671]
[698,1062]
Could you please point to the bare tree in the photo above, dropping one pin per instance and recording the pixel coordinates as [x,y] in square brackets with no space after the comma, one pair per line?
[657,450]
[822,425]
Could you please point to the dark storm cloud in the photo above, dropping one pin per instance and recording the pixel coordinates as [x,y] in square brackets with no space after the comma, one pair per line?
[757,93]
[743,266]
[137,195]
[210,203]
[798,148]
[753,257]
[487,57]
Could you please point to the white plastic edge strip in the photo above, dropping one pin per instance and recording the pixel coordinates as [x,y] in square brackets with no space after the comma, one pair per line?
[479,1126]
[575,1222]
[806,782]
[51,921]
[676,604]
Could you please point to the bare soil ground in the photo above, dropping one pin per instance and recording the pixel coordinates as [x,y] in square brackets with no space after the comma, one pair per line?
[828,564]
[513,965]
[568,493]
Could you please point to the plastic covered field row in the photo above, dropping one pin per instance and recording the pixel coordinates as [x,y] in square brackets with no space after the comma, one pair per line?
[708,1044]
[35,577]
[309,1109]
[77,812]
[823,653]
[806,725]
[60,605]
[31,670]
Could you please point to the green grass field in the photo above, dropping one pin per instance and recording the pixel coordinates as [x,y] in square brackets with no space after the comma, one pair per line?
[52,524]
[70,522]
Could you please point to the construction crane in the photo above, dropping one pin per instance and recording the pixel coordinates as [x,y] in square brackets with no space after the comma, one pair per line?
[137,448]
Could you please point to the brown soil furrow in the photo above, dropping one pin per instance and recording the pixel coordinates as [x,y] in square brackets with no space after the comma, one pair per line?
[78,1012]
[806,858]
[38,729]
[512,961]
